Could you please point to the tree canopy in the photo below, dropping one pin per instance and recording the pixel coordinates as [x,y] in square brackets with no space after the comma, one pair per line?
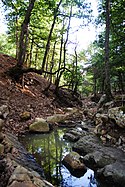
[39,31]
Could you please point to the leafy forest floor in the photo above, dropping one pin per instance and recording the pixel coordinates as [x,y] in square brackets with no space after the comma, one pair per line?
[30,98]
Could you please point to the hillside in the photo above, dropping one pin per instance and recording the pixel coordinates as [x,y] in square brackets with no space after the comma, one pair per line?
[30,98]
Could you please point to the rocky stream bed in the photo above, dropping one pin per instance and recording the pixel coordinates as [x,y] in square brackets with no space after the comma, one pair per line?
[107,161]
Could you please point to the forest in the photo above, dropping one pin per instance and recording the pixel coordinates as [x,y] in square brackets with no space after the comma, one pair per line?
[62,102]
[38,36]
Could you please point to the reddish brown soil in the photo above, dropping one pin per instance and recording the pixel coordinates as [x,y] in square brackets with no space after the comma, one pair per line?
[30,98]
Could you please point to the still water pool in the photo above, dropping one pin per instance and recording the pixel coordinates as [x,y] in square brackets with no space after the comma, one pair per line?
[49,150]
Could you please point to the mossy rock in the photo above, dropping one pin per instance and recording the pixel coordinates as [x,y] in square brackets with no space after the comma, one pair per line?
[40,125]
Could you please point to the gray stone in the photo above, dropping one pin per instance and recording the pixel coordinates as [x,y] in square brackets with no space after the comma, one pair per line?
[73,134]
[115,173]
[4,111]
[98,159]
[87,144]
[118,115]
[56,118]
[22,184]
[71,137]
[40,125]
[102,100]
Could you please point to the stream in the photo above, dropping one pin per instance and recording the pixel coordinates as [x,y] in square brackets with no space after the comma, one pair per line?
[49,150]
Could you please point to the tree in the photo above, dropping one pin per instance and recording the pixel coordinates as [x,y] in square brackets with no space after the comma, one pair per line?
[50,34]
[39,43]
[107,70]
[24,34]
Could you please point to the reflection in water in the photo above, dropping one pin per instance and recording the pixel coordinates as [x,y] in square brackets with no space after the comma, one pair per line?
[49,150]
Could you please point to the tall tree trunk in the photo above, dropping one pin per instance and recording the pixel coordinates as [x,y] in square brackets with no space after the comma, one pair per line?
[17,38]
[50,34]
[51,68]
[23,35]
[107,69]
[31,50]
[64,55]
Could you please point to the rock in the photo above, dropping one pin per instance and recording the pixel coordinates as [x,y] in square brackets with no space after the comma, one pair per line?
[109,104]
[90,143]
[122,138]
[27,178]
[103,138]
[102,100]
[98,129]
[111,139]
[104,118]
[114,173]
[71,110]
[22,184]
[118,115]
[71,137]
[101,118]
[67,124]
[84,125]
[97,159]
[20,174]
[1,124]
[38,182]
[73,163]
[25,116]
[40,125]
[87,144]
[4,111]
[1,149]
[56,118]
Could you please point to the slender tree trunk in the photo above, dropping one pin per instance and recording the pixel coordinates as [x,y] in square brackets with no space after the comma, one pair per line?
[64,54]
[23,35]
[107,69]
[51,68]
[31,50]
[50,35]
[36,57]
[76,77]
[17,38]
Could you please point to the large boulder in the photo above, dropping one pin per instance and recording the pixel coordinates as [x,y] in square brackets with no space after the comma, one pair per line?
[40,125]
[114,173]
[87,144]
[22,177]
[96,155]
[73,163]
[97,159]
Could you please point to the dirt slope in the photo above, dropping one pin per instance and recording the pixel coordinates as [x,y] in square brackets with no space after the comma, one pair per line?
[30,98]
